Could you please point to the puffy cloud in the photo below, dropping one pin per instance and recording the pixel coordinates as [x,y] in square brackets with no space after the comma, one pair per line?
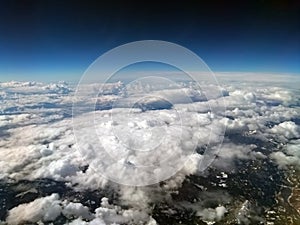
[137,137]
[284,160]
[76,210]
[289,156]
[47,209]
[211,215]
[61,168]
[41,209]
[286,129]
[114,214]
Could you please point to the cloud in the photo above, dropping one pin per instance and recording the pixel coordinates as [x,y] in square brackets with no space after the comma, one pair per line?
[37,141]
[41,209]
[211,215]
[287,129]
[290,155]
[47,209]
[32,87]
[77,210]
[230,152]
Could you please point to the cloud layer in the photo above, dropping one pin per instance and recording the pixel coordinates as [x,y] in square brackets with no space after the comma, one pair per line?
[176,141]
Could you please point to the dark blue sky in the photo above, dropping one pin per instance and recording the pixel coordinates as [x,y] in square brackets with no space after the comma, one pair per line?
[57,40]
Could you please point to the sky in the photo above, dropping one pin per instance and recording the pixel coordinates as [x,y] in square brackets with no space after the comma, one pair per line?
[58,40]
